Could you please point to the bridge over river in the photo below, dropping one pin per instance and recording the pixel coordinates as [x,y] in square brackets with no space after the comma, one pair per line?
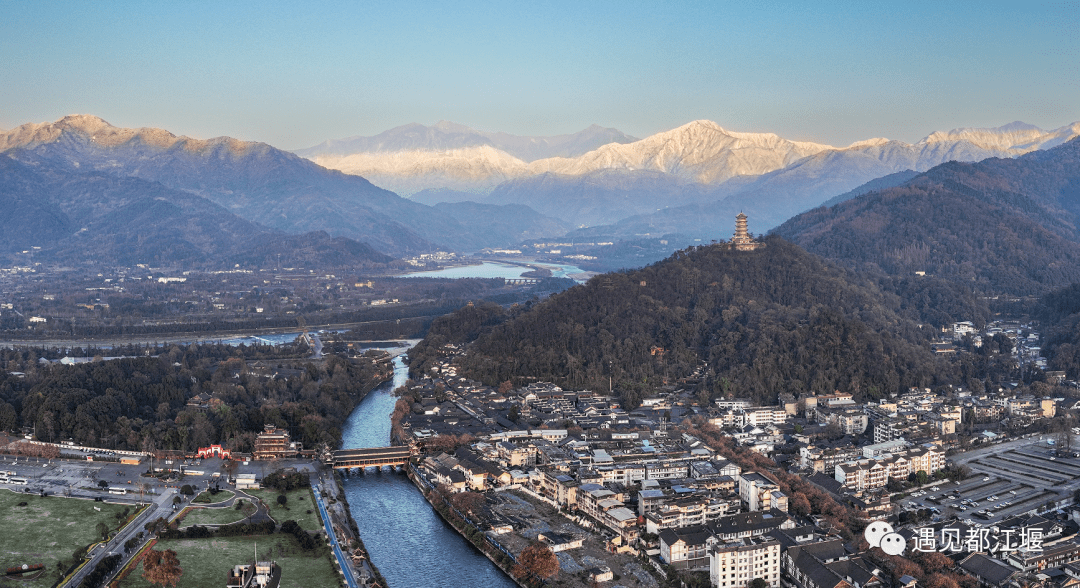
[371,457]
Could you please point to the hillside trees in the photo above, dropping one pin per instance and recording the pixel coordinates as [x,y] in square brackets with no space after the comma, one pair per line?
[757,323]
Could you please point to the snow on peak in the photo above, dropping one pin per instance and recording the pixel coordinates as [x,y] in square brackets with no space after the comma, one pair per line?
[875,142]
[102,134]
[1014,138]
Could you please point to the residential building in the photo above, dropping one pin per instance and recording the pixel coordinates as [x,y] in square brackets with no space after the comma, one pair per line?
[685,547]
[760,493]
[736,563]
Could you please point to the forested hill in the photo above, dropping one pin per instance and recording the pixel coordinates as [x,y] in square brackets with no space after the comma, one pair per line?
[1006,226]
[759,323]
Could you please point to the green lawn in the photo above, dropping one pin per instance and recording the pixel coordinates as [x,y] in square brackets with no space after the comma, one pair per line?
[297,507]
[208,498]
[48,530]
[206,561]
[217,516]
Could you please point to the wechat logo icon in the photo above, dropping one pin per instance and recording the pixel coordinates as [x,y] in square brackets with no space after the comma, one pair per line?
[881,534]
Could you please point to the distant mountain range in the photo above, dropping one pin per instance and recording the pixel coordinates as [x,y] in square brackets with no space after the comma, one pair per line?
[262,184]
[414,157]
[639,186]
[999,225]
[687,183]
[96,219]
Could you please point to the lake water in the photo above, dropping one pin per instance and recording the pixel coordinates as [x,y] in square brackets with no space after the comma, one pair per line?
[491,269]
[409,543]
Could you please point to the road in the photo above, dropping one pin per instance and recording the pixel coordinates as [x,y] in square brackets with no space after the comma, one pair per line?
[160,506]
[343,562]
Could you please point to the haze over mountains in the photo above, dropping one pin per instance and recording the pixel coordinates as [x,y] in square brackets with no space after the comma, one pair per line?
[413,157]
[625,183]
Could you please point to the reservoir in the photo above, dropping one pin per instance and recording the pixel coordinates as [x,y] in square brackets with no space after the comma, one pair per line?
[491,269]
[409,543]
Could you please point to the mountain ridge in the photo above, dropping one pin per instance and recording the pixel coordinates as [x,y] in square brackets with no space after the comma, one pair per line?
[277,189]
[446,135]
[762,173]
[1000,225]
[97,218]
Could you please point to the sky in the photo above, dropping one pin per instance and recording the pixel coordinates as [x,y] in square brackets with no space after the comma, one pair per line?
[295,74]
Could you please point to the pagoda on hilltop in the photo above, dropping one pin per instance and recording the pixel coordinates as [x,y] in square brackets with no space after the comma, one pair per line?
[742,241]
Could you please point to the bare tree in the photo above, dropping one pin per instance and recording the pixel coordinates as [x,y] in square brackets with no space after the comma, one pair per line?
[539,560]
[162,567]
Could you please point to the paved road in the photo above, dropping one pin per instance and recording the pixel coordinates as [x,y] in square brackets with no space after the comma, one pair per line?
[343,561]
[161,506]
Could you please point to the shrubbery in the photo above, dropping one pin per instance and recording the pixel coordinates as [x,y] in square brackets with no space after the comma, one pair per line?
[286,482]
[101,571]
[307,542]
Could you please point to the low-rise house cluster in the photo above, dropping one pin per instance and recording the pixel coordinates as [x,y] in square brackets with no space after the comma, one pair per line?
[638,478]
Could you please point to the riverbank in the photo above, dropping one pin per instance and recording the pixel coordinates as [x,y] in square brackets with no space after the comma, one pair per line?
[410,542]
[466,529]
[184,338]
[361,562]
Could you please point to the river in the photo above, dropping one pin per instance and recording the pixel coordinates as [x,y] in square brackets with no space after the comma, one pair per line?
[409,543]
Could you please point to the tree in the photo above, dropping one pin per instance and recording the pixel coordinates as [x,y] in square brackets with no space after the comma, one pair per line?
[467,502]
[103,484]
[758,583]
[935,561]
[800,504]
[229,467]
[102,530]
[187,489]
[162,567]
[282,499]
[941,581]
[538,560]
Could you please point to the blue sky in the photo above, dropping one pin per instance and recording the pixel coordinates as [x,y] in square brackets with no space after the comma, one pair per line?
[294,74]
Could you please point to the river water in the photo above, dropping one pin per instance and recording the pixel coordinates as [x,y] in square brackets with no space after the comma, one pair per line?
[409,543]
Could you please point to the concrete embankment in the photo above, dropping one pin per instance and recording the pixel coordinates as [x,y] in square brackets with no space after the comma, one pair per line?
[501,560]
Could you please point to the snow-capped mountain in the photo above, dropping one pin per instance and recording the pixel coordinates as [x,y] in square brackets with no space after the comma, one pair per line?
[771,198]
[753,171]
[445,135]
[414,157]
[260,183]
[470,169]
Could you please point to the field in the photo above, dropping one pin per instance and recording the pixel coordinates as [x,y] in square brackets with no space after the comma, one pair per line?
[217,516]
[206,561]
[297,507]
[48,530]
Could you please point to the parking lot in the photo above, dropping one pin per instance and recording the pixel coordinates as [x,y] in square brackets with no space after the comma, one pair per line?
[1008,479]
[80,478]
